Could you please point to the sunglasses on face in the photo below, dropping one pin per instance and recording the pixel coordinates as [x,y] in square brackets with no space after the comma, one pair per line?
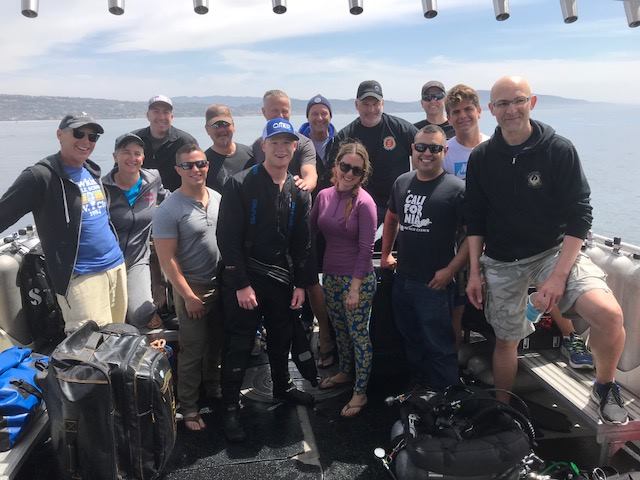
[79,135]
[432,147]
[345,167]
[219,124]
[189,165]
[427,97]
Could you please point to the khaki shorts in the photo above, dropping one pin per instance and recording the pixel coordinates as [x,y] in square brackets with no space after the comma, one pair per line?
[507,284]
[101,297]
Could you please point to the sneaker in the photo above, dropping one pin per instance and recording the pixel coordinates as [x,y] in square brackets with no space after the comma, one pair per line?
[574,348]
[610,406]
[295,396]
[232,427]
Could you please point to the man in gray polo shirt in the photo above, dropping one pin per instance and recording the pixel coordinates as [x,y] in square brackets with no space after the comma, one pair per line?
[184,232]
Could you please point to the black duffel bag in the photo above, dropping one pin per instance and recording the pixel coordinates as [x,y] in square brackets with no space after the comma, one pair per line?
[111,404]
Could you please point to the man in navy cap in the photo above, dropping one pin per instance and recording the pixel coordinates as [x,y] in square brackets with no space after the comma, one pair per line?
[263,236]
[320,131]
[65,195]
[387,138]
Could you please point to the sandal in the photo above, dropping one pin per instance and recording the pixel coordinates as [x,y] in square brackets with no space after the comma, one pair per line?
[331,382]
[193,422]
[352,409]
[327,359]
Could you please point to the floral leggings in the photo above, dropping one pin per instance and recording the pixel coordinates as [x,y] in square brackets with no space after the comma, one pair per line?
[351,326]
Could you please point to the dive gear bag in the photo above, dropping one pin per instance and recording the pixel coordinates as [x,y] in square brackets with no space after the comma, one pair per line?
[111,404]
[20,397]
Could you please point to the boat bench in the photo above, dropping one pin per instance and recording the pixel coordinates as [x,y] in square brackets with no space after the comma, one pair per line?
[574,387]
[12,460]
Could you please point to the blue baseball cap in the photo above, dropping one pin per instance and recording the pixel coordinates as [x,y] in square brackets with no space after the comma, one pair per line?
[277,126]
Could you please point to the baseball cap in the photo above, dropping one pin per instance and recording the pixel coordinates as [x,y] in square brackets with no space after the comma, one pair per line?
[369,88]
[218,112]
[433,84]
[127,138]
[161,99]
[73,120]
[319,100]
[277,126]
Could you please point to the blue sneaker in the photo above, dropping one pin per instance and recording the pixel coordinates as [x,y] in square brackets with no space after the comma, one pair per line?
[574,348]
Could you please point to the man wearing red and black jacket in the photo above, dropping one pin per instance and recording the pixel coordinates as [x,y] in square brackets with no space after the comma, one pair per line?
[387,139]
[528,208]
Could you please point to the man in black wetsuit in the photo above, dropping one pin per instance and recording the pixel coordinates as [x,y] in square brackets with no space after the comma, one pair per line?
[263,235]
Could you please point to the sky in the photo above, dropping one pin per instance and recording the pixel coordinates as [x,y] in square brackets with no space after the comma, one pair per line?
[77,48]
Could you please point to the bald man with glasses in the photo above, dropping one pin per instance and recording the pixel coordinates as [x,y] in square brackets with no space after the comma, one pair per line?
[528,211]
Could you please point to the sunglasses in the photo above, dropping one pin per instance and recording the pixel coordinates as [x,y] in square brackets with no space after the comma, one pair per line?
[219,124]
[189,165]
[79,134]
[427,97]
[432,147]
[345,167]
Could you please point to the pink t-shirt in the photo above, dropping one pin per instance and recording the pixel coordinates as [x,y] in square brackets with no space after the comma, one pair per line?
[349,248]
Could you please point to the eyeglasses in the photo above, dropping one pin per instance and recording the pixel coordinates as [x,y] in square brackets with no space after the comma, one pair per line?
[79,134]
[220,124]
[432,147]
[517,102]
[189,165]
[427,97]
[345,167]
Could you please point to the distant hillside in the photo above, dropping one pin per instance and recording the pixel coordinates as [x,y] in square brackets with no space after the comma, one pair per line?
[25,107]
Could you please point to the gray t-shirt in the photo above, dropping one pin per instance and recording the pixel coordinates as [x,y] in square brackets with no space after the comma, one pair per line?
[185,219]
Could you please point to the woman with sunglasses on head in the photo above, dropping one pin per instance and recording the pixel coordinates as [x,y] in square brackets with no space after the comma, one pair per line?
[346,216]
[133,193]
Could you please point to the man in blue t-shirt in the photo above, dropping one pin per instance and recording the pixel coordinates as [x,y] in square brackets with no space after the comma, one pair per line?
[64,193]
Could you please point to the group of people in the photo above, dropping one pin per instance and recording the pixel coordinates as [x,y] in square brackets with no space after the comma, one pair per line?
[243,232]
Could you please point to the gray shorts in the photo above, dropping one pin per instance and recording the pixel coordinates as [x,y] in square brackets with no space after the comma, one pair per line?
[507,284]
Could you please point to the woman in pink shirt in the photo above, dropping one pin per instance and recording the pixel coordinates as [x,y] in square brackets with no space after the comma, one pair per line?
[346,216]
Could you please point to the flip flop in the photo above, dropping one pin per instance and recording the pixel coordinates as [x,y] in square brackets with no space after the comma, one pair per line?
[330,382]
[351,410]
[194,423]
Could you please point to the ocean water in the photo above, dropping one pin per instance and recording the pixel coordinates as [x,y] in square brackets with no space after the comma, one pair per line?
[605,135]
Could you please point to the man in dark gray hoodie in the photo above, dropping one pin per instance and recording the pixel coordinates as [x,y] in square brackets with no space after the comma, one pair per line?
[65,195]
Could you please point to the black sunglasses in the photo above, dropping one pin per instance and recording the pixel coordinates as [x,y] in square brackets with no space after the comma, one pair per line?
[219,124]
[345,167]
[189,165]
[427,97]
[432,147]
[79,134]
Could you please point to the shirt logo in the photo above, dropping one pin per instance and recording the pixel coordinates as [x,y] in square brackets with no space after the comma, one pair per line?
[413,220]
[534,179]
[389,143]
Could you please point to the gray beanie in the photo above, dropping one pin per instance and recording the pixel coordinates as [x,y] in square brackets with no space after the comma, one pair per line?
[319,100]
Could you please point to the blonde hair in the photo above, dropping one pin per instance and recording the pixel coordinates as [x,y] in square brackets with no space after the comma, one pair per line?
[354,147]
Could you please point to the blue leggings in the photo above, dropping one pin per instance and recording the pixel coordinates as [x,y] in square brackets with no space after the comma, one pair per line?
[351,326]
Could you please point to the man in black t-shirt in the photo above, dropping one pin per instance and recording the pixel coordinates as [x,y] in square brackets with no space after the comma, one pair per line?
[226,157]
[386,138]
[425,212]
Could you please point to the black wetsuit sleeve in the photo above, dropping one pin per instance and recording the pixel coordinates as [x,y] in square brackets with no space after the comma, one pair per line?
[300,242]
[231,233]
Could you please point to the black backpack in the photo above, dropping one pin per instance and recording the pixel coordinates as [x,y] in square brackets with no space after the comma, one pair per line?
[39,302]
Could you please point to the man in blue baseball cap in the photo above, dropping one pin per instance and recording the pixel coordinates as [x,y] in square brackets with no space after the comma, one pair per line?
[263,236]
